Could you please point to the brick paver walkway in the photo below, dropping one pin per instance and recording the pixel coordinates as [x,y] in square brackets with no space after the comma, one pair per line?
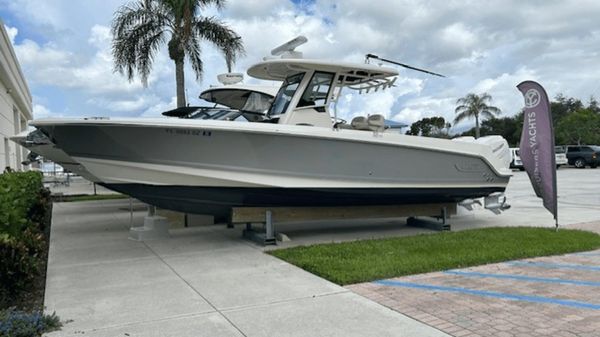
[551,296]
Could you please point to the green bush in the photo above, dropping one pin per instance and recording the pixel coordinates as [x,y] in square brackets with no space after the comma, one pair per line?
[23,214]
[14,323]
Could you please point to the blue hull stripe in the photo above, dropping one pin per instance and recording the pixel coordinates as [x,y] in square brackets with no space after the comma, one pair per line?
[523,278]
[555,265]
[493,294]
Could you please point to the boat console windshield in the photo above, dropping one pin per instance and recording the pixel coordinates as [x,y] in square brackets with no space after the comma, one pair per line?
[284,96]
[247,103]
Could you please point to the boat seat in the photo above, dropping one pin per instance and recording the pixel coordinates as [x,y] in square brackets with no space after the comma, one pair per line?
[344,126]
[376,123]
[360,123]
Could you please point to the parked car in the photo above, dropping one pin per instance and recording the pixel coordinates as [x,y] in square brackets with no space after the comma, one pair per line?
[561,156]
[583,155]
[516,163]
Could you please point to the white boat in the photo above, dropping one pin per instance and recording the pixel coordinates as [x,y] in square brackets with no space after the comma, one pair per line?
[298,156]
[233,101]
[38,144]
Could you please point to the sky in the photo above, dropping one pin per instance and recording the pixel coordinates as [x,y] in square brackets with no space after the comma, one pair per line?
[64,49]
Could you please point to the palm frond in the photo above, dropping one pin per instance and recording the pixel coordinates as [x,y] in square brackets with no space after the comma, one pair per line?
[193,52]
[461,108]
[494,110]
[138,31]
[462,116]
[473,105]
[485,114]
[220,4]
[222,36]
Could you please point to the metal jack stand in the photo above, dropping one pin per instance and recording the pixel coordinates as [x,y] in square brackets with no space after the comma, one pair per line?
[434,225]
[264,238]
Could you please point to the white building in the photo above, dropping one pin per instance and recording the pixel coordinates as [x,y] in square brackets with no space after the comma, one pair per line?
[15,104]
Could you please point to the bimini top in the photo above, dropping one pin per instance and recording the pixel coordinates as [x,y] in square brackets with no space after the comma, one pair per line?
[353,75]
[241,97]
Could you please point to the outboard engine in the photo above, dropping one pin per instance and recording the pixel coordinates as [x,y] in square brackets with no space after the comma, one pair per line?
[498,144]
[495,202]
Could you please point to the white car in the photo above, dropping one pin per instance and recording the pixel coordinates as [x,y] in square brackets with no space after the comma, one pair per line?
[561,156]
[516,160]
[516,163]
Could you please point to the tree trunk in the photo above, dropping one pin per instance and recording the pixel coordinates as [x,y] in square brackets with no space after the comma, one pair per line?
[476,126]
[180,80]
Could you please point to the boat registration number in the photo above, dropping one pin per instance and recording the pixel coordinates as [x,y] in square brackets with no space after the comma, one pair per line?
[189,132]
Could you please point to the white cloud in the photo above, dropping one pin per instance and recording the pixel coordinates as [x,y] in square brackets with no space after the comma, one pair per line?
[107,91]
[157,109]
[480,46]
[12,33]
[426,106]
[132,104]
[40,111]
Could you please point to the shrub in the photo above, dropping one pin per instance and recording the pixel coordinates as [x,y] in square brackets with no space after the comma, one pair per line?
[14,323]
[24,205]
[19,263]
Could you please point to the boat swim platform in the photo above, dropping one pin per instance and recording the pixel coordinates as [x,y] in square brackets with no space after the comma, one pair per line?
[269,216]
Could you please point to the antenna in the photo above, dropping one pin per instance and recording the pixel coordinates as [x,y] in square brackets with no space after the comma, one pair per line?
[371,56]
[230,78]
[287,49]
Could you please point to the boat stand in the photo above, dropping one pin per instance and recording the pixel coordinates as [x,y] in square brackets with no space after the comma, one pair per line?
[262,237]
[268,215]
[155,227]
[440,225]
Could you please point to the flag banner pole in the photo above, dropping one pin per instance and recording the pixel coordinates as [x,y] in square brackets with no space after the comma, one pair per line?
[537,145]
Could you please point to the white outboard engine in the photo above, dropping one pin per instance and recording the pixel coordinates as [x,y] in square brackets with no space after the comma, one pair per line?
[495,202]
[498,144]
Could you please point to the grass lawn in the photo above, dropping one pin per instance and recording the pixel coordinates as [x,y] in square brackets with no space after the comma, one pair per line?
[368,260]
[71,198]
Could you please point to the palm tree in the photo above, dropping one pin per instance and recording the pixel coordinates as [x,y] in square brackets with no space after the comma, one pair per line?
[141,27]
[476,106]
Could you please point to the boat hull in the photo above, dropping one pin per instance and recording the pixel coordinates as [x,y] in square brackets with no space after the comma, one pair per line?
[218,201]
[49,151]
[211,166]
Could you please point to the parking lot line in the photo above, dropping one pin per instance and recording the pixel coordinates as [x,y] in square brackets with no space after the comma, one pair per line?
[494,294]
[555,265]
[522,278]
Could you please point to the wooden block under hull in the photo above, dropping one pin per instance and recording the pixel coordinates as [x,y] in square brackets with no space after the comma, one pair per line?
[285,214]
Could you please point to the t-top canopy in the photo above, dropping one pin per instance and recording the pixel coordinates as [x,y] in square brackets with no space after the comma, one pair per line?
[357,76]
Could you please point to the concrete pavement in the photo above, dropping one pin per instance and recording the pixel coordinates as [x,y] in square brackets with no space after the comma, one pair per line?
[207,281]
[77,185]
[197,283]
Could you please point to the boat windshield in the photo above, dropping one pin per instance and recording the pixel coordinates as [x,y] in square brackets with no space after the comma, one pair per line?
[285,94]
[215,113]
[257,102]
[317,91]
